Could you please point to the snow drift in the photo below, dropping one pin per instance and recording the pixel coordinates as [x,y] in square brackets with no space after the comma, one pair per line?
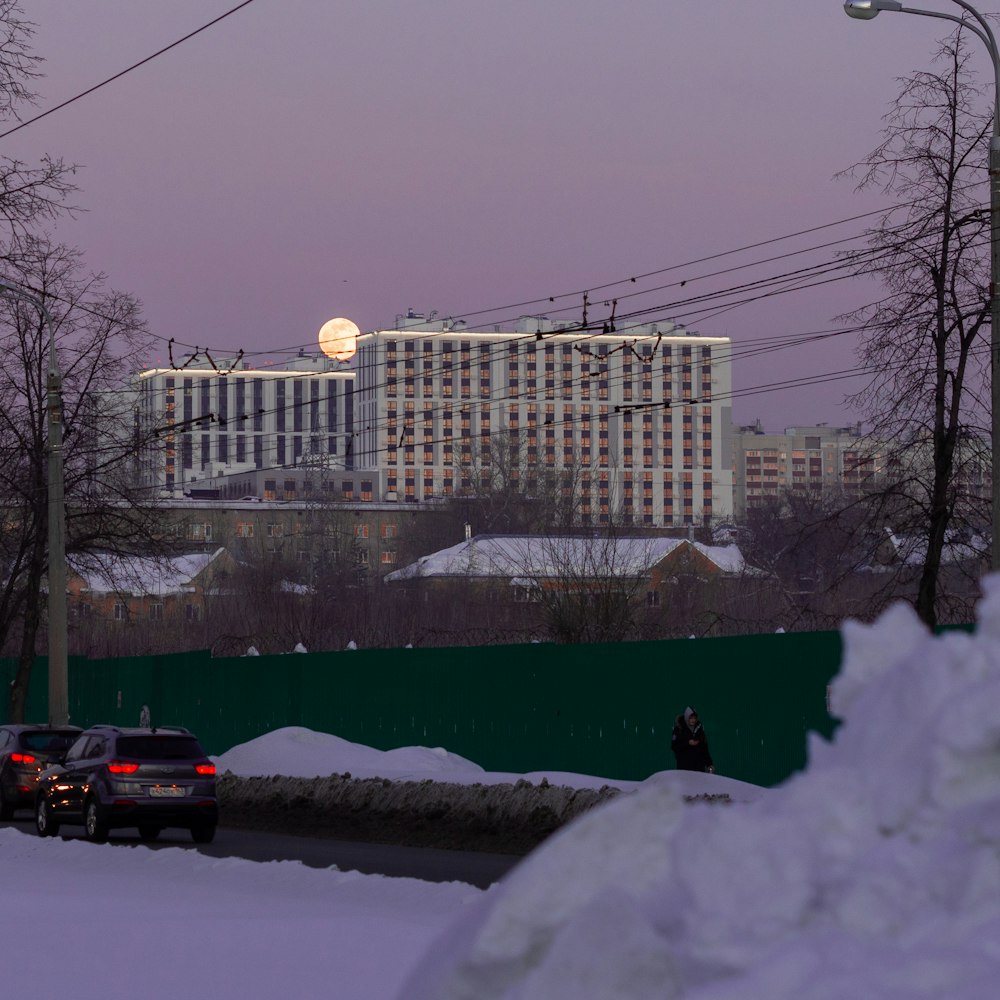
[876,871]
[301,781]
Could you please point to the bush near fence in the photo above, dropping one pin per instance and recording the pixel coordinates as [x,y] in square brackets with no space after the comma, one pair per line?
[601,709]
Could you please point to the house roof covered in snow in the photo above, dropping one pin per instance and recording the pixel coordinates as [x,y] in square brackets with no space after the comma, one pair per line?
[551,557]
[911,550]
[111,573]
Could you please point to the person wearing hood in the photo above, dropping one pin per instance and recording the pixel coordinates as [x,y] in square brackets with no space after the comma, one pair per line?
[690,744]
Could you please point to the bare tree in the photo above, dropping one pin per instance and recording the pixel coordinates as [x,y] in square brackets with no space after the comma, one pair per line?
[586,588]
[306,582]
[97,332]
[923,340]
[503,486]
[29,195]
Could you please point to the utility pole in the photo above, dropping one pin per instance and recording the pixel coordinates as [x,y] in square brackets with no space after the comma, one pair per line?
[58,665]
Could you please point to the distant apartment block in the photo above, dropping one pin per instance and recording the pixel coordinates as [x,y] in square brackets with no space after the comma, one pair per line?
[802,458]
[216,425]
[637,423]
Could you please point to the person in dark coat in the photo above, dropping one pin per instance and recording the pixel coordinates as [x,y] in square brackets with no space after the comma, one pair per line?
[690,744]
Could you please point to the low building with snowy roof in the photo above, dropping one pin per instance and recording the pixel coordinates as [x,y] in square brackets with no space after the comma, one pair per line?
[532,563]
[134,588]
[911,550]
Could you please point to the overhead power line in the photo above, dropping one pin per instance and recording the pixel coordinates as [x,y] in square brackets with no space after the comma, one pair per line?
[119,75]
[575,296]
[669,309]
[784,385]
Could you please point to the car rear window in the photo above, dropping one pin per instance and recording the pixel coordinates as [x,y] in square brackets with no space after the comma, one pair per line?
[48,741]
[159,747]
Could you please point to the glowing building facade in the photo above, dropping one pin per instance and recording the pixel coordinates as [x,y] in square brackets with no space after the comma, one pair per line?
[635,426]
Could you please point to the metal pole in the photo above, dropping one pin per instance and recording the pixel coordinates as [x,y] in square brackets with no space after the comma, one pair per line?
[58,660]
[995,332]
[989,40]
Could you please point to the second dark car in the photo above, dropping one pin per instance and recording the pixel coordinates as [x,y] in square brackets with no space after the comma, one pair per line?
[25,751]
[114,778]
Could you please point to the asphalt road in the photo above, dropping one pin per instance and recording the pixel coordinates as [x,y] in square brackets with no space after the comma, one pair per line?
[427,863]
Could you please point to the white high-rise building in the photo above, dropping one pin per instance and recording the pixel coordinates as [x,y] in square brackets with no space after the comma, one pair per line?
[637,423]
[213,424]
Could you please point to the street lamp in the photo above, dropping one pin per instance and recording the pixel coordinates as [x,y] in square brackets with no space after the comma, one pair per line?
[58,672]
[865,10]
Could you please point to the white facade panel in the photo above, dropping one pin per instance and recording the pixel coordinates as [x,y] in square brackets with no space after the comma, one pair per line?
[211,423]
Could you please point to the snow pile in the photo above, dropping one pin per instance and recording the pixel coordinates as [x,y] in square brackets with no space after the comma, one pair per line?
[496,818]
[876,872]
[296,752]
[315,783]
[303,753]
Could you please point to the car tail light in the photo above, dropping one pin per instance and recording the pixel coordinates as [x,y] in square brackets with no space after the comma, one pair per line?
[122,767]
[205,768]
[23,758]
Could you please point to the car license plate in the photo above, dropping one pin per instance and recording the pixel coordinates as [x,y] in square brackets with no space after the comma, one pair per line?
[166,791]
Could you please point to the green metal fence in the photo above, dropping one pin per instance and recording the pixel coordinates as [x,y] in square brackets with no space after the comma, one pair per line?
[602,709]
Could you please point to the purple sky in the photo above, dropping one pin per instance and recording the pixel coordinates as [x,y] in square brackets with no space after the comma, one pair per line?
[309,159]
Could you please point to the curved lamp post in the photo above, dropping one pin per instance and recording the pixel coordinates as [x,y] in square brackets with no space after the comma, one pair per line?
[58,673]
[865,10]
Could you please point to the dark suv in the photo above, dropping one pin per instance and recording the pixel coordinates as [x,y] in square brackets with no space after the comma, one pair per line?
[25,751]
[146,778]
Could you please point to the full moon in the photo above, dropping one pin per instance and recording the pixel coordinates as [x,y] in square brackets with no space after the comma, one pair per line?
[338,338]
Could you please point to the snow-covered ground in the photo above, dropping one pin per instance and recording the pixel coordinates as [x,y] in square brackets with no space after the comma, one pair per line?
[127,922]
[875,873]
[103,922]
